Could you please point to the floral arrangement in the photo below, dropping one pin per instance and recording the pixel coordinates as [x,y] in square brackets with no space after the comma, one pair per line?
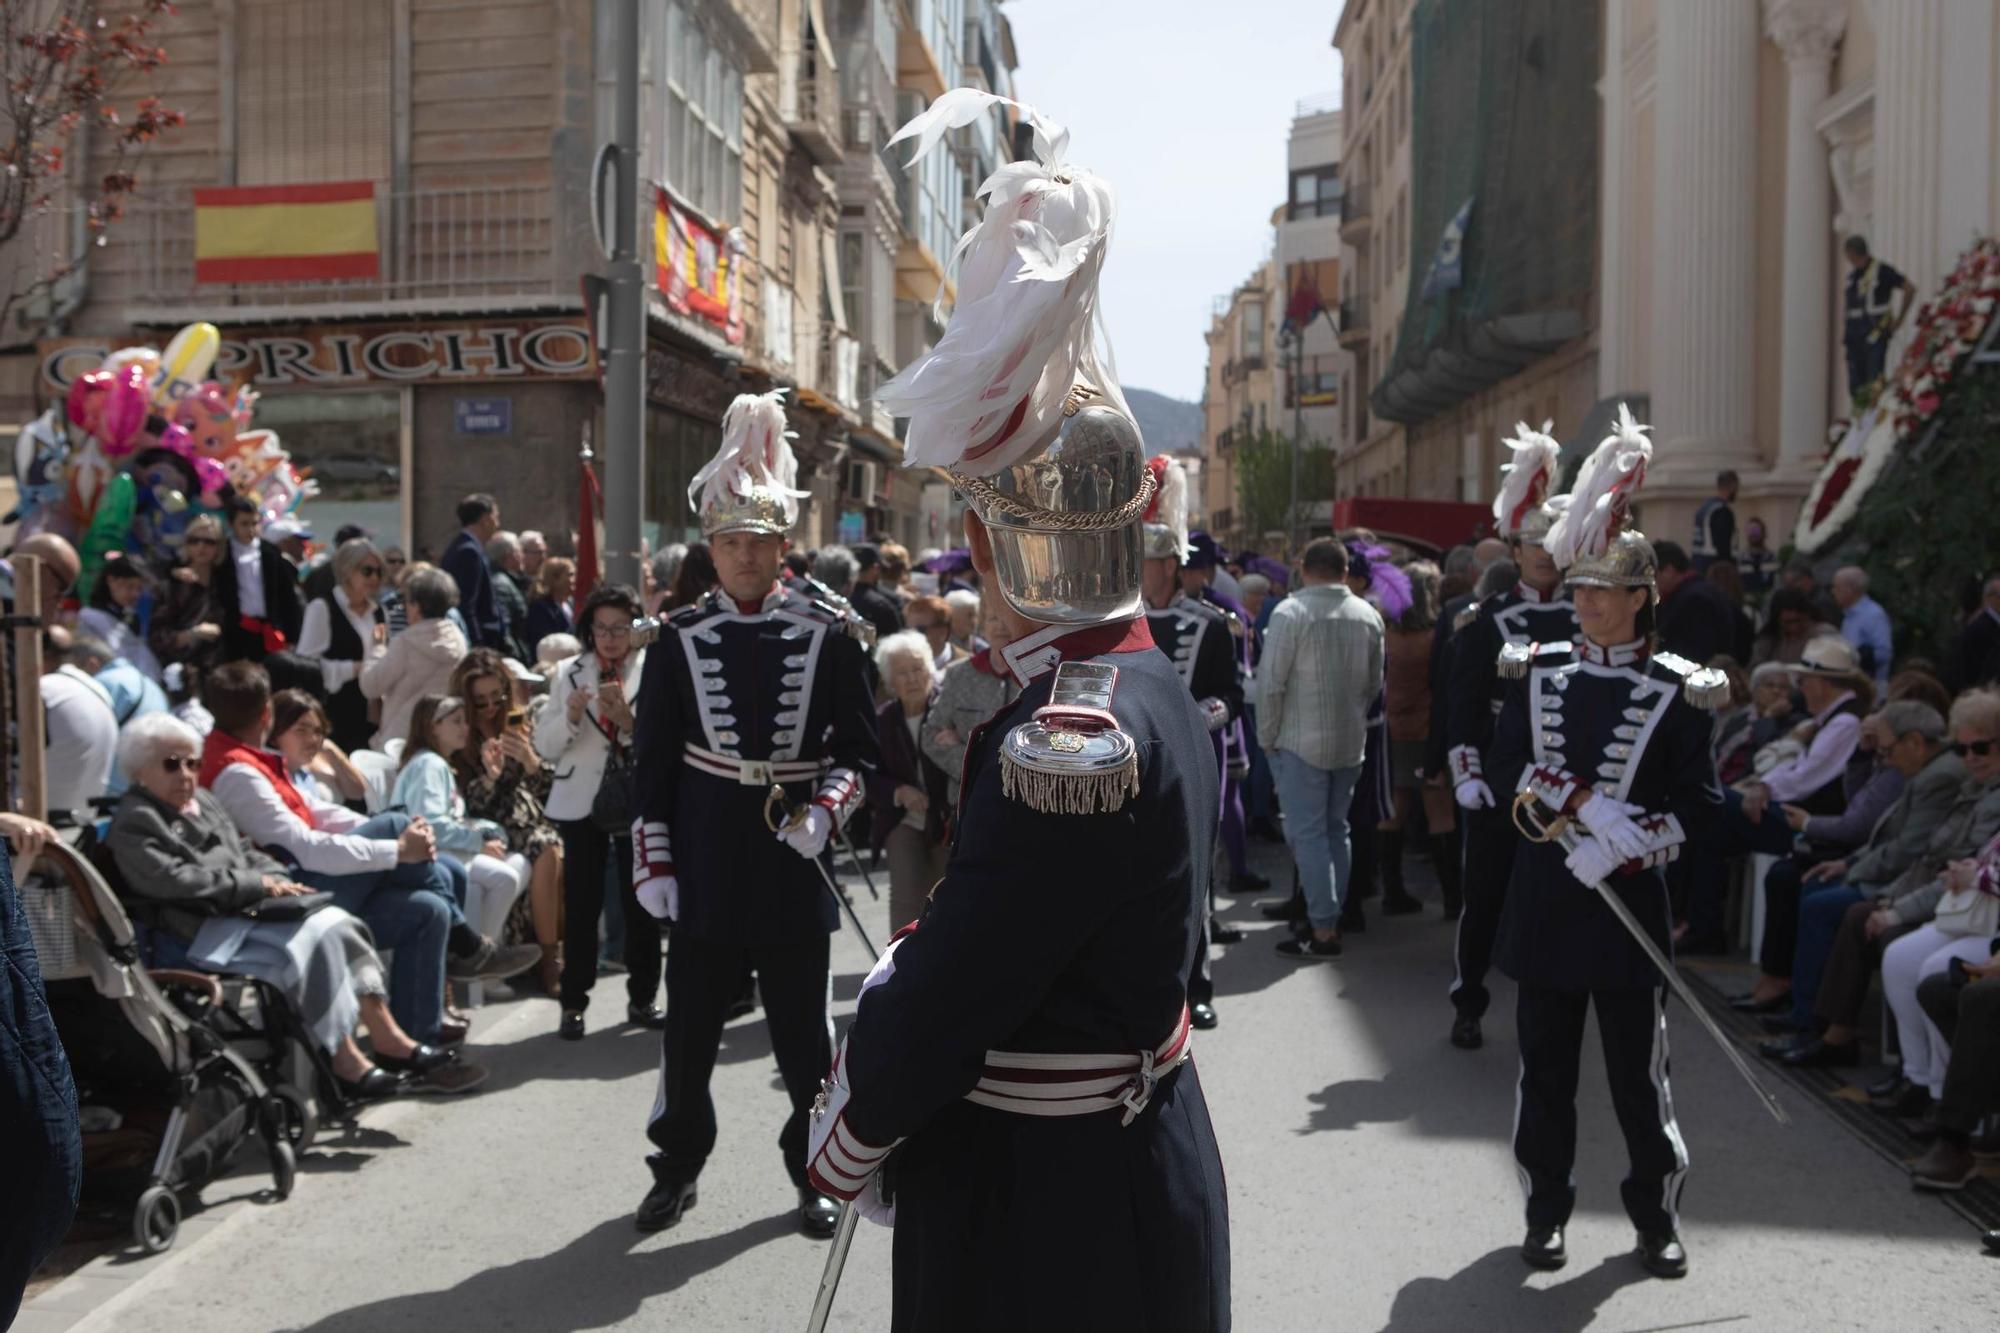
[1948,328]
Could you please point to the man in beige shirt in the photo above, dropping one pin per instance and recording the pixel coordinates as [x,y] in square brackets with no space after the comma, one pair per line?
[1321,669]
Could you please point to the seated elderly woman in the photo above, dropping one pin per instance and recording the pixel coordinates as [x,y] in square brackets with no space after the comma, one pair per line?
[200,885]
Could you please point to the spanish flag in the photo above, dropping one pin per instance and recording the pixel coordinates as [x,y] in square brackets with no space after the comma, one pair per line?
[280,233]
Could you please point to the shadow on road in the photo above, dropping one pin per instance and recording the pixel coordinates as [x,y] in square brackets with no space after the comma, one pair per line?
[1493,1293]
[1410,1092]
[600,1280]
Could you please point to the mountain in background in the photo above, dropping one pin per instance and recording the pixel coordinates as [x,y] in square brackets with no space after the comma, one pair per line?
[1169,425]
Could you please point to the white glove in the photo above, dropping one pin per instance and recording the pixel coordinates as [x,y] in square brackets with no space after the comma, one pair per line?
[1610,821]
[661,897]
[870,1205]
[1592,862]
[808,838]
[1473,794]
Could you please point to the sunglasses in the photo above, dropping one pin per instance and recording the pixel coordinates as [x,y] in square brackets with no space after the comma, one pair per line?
[370,571]
[397,561]
[201,541]
[1980,748]
[489,700]
[175,763]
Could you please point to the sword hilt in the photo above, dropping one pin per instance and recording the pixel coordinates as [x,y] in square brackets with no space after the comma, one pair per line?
[794,815]
[1528,819]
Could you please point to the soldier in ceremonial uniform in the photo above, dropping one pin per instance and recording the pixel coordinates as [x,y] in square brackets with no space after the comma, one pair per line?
[1533,610]
[1195,634]
[1016,1087]
[755,684]
[1198,579]
[1614,736]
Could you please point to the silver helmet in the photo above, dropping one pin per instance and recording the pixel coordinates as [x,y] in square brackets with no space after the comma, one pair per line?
[1017,403]
[751,483]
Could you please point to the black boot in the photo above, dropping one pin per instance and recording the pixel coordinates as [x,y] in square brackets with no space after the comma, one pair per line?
[1396,899]
[1361,883]
[1444,855]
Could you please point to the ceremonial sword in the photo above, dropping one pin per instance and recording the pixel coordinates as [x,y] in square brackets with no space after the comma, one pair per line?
[843,1231]
[1528,819]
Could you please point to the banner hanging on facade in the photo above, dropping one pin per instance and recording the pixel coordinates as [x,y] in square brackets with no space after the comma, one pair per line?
[699,268]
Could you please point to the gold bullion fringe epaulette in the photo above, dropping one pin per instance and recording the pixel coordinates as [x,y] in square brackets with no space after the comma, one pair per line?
[1704,687]
[1071,758]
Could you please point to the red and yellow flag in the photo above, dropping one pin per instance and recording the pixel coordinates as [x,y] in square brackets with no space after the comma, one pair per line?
[282,233]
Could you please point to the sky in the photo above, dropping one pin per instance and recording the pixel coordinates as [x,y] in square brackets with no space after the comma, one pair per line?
[1184,106]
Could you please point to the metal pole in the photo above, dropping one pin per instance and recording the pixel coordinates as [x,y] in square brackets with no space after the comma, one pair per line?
[625,342]
[32,795]
[1298,432]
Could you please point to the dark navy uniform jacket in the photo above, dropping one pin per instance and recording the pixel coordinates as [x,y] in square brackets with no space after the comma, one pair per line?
[1054,932]
[1519,615]
[1617,721]
[781,683]
[1195,636]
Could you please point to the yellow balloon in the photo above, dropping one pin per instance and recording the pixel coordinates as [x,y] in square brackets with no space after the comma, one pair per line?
[185,363]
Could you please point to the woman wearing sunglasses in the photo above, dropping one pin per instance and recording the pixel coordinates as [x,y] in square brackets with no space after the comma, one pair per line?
[343,629]
[187,620]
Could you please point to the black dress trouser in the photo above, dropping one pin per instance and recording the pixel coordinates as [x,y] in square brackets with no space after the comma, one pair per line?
[1633,1026]
[1490,840]
[588,852]
[703,978]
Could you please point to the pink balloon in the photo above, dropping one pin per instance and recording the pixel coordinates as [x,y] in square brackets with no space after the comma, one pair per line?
[86,399]
[208,414]
[176,438]
[124,411]
[212,477]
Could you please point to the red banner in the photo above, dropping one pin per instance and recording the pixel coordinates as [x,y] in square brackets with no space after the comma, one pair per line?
[699,269]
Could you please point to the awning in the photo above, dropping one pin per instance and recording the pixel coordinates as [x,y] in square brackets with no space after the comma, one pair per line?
[1432,525]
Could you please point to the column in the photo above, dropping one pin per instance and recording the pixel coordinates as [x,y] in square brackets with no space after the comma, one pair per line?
[1704,242]
[1806,31]
[1909,55]
[1612,372]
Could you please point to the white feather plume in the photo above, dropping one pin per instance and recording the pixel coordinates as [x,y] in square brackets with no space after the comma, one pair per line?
[1529,477]
[1025,326]
[1603,493]
[756,454]
[1169,507]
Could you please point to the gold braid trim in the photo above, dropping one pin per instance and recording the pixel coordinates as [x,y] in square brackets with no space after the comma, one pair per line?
[991,500]
[1068,793]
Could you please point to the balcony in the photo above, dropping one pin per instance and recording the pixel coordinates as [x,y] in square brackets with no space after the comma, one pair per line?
[873,372]
[474,249]
[1356,218]
[810,104]
[1354,321]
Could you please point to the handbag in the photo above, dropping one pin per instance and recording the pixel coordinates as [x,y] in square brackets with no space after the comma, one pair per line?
[1968,912]
[611,809]
[292,907]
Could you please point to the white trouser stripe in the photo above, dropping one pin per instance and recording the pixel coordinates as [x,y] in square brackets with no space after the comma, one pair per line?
[1671,1192]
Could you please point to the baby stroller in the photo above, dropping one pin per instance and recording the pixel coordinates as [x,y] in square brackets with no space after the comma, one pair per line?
[166,1103]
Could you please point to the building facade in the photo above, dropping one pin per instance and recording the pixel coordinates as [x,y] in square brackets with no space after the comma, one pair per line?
[1238,400]
[1741,144]
[785,249]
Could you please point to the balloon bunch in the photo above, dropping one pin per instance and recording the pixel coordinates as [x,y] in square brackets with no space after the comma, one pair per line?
[140,446]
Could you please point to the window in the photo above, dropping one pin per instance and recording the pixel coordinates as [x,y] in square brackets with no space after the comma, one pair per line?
[934,195]
[851,263]
[704,119]
[1253,330]
[1316,193]
[312,89]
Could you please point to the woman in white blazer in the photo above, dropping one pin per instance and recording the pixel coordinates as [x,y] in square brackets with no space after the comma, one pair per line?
[590,710]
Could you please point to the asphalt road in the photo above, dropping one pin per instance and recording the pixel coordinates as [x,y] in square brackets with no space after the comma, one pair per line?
[1370,1188]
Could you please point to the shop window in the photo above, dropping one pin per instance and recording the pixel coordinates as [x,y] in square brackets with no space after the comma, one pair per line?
[351,446]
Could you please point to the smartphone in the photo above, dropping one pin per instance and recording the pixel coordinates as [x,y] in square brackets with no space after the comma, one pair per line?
[1954,970]
[517,717]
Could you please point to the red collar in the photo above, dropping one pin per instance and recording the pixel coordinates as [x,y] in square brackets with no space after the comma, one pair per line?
[1038,654]
[983,663]
[757,608]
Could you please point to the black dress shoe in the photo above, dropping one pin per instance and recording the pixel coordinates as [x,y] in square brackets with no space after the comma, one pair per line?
[421,1060]
[572,1025]
[1777,1048]
[1909,1102]
[819,1216]
[1750,1004]
[1202,1015]
[1544,1248]
[1662,1254]
[1218,933]
[1991,1240]
[1248,883]
[648,1016]
[1465,1033]
[665,1202]
[1815,1053]
[1924,1127]
[1890,1086]
[1283,909]
[372,1086]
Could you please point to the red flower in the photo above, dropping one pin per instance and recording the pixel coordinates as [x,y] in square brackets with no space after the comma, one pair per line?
[1836,486]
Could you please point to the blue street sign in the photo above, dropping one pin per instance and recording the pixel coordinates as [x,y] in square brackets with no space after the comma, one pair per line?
[483,416]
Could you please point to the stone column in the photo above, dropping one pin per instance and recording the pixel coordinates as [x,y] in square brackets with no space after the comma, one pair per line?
[1613,374]
[1806,31]
[1909,55]
[1704,243]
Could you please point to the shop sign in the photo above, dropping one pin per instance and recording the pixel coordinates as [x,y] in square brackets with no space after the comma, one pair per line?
[483,416]
[341,356]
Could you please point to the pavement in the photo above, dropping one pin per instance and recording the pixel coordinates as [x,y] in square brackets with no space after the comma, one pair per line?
[1370,1188]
